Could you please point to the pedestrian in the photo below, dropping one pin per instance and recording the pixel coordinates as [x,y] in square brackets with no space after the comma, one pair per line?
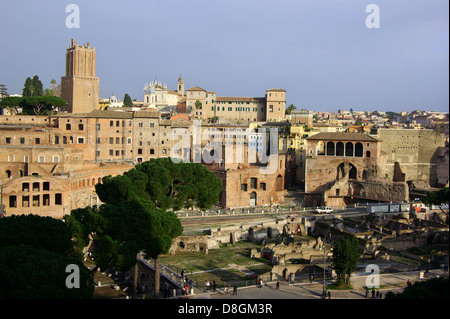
[377,294]
[373,293]
[367,292]
[380,296]
[408,283]
[214,285]
[207,285]
[278,285]
[235,290]
[261,283]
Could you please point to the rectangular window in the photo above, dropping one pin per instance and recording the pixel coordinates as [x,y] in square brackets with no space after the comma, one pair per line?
[46,200]
[244,187]
[22,140]
[58,199]
[111,140]
[37,140]
[8,140]
[262,186]
[10,158]
[253,182]
[25,187]
[13,201]
[36,200]
[46,186]
[26,201]
[41,159]
[80,140]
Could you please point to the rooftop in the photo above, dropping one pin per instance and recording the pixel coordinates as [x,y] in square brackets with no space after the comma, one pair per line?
[343,136]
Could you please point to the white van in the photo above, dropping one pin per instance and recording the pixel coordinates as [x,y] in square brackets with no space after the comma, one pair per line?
[324,210]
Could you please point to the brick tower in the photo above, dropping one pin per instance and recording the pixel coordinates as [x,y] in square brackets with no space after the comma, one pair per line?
[80,86]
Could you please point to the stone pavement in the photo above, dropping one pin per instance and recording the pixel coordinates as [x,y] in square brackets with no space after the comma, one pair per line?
[394,282]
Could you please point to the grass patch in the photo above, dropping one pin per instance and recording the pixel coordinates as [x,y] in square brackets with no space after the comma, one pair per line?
[224,263]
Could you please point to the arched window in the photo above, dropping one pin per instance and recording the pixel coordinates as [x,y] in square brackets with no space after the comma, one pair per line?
[349,149]
[320,148]
[367,153]
[330,148]
[340,149]
[359,150]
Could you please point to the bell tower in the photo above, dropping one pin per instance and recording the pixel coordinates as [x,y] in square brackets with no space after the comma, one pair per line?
[80,86]
[180,86]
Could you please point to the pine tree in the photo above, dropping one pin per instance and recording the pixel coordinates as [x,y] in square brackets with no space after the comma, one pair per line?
[127,100]
[28,87]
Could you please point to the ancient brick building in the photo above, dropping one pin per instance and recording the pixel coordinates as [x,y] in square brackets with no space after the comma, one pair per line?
[344,168]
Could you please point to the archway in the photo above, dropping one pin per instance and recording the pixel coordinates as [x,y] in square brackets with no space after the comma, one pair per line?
[353,173]
[252,199]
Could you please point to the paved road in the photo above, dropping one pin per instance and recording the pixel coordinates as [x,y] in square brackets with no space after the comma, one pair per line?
[394,282]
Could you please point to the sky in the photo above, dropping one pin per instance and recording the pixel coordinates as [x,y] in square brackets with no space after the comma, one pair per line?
[322,52]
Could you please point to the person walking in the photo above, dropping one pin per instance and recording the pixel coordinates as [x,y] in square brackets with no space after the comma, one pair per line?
[277,287]
[235,290]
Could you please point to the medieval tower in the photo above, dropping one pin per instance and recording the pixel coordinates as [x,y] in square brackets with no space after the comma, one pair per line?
[80,86]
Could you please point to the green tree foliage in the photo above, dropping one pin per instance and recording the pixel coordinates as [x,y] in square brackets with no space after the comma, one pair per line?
[290,108]
[28,272]
[33,105]
[28,88]
[41,105]
[11,103]
[127,100]
[33,87]
[3,91]
[37,86]
[34,254]
[439,198]
[133,217]
[436,288]
[165,183]
[198,104]
[42,232]
[345,259]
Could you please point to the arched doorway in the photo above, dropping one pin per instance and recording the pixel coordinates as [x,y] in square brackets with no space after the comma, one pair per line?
[252,199]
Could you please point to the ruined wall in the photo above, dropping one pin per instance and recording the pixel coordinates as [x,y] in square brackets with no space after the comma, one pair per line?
[416,151]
